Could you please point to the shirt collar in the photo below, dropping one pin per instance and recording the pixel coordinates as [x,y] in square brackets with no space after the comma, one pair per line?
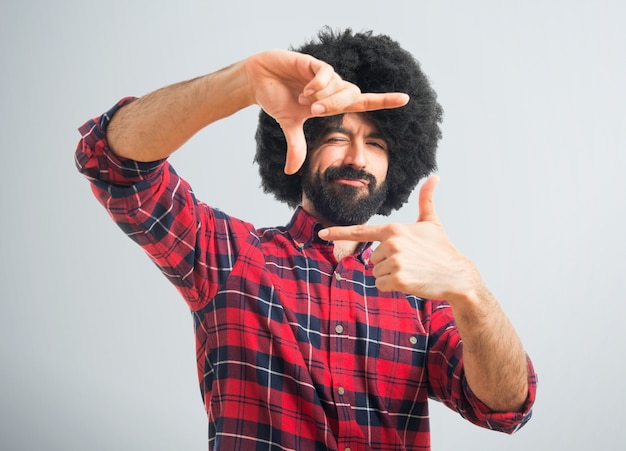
[303,229]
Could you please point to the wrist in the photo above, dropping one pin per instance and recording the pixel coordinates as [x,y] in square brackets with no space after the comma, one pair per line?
[242,84]
[231,85]
[470,297]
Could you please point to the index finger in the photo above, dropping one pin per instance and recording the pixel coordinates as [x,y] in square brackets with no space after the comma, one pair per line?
[370,101]
[360,233]
[343,101]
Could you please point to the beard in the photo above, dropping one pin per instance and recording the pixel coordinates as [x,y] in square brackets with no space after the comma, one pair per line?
[343,204]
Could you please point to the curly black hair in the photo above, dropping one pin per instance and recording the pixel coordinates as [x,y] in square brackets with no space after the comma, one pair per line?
[375,63]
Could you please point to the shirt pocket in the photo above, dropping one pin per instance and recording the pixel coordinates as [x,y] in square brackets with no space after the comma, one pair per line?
[397,354]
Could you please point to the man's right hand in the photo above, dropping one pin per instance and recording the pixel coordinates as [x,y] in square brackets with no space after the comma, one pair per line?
[293,87]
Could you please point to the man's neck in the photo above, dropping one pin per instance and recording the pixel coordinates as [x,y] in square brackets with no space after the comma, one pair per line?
[342,248]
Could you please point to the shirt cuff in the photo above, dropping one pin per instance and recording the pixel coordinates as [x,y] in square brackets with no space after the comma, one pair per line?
[96,160]
[508,422]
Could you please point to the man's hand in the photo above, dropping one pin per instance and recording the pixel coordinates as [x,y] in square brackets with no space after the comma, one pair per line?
[419,259]
[414,258]
[293,87]
[290,86]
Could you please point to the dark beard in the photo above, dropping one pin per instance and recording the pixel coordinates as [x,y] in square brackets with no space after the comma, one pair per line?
[343,204]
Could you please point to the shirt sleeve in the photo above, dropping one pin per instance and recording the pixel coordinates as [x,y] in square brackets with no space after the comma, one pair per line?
[193,245]
[447,382]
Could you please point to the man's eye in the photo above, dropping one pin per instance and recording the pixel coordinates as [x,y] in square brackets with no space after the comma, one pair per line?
[377,144]
[336,139]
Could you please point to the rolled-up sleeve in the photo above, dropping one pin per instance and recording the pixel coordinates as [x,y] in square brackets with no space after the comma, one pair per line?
[508,422]
[193,244]
[95,160]
[448,384]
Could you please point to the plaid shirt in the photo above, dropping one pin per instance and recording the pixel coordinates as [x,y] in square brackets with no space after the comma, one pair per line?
[295,351]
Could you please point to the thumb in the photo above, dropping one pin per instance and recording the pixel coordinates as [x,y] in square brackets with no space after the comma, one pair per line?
[426,205]
[296,148]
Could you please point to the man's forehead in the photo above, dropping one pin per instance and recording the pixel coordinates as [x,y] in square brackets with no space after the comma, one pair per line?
[349,122]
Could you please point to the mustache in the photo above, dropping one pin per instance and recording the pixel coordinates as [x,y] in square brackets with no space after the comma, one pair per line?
[348,173]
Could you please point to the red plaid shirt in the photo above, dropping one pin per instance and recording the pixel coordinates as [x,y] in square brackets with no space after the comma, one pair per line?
[295,351]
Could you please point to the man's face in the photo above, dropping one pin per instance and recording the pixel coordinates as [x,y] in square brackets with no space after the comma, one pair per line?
[343,182]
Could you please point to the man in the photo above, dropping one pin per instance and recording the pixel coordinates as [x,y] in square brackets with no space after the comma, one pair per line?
[306,337]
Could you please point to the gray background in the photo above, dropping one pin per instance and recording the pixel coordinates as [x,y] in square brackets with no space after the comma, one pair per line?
[97,350]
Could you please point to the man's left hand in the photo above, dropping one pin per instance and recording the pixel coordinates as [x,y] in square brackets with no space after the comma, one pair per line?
[417,258]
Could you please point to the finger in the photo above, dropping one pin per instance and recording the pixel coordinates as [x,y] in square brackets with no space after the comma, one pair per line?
[379,101]
[335,98]
[360,233]
[426,205]
[323,75]
[350,100]
[381,268]
[378,256]
[296,148]
[330,94]
[324,84]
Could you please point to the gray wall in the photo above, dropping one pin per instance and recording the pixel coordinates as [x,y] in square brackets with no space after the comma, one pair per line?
[97,350]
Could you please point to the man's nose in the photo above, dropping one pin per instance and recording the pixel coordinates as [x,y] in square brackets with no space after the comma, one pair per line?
[355,155]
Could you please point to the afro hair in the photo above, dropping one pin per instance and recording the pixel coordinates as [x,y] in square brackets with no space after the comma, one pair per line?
[375,63]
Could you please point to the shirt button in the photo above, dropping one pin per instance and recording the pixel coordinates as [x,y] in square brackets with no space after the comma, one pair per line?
[341,391]
[339,328]
[347,448]
[413,339]
[337,277]
[300,245]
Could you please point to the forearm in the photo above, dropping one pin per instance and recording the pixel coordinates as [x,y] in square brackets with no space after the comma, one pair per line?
[154,126]
[495,362]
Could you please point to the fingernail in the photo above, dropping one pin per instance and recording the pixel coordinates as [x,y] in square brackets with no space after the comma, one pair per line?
[323,233]
[318,109]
